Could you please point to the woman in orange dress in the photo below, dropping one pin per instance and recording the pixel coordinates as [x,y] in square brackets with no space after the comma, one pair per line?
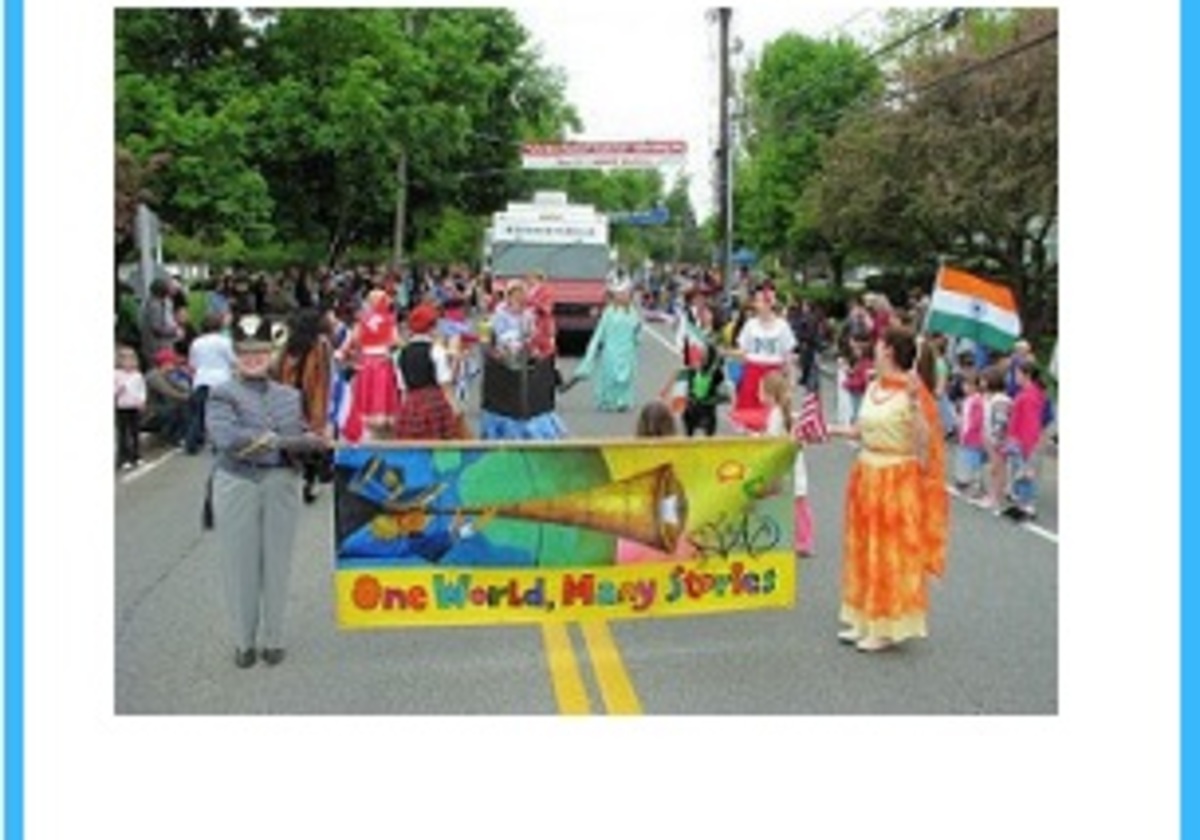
[896,503]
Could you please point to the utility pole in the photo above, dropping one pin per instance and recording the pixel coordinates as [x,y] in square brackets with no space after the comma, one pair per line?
[724,197]
[401,180]
[401,210]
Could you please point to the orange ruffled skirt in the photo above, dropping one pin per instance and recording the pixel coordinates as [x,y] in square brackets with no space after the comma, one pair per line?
[895,535]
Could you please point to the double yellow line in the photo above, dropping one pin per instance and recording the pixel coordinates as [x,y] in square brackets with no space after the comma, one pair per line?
[616,689]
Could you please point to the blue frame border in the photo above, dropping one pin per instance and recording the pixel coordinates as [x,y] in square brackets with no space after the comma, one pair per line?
[1187,451]
[14,434]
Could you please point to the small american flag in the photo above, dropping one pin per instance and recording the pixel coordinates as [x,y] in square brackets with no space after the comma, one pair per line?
[810,422]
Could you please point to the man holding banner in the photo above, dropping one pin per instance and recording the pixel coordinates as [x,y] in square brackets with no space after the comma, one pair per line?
[257,428]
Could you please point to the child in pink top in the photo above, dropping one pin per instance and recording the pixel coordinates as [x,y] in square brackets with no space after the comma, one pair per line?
[1021,444]
[971,438]
[130,390]
[997,412]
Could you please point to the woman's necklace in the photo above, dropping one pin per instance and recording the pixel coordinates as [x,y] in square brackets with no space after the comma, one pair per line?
[886,388]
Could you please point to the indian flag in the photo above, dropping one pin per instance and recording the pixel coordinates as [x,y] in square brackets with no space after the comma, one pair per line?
[688,334]
[974,308]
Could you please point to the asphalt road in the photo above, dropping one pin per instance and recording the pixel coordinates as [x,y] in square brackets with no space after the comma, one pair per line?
[993,647]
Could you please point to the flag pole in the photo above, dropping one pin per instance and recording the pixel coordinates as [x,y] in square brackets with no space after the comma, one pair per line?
[937,279]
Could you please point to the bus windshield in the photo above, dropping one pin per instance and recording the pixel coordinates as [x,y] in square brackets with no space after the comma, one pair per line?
[572,261]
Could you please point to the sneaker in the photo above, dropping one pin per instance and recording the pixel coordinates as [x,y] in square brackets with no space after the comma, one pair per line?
[849,635]
[1017,513]
[872,644]
[127,466]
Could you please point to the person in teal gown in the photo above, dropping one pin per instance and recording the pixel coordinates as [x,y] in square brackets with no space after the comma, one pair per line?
[611,357]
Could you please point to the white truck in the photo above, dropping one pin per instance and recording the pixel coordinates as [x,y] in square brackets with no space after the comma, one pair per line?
[567,243]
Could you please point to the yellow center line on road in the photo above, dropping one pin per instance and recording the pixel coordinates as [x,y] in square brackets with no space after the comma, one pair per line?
[564,670]
[615,686]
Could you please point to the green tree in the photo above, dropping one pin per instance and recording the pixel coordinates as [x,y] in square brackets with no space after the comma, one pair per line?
[184,97]
[794,96]
[289,131]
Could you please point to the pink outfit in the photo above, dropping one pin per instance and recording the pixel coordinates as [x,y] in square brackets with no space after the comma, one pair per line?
[130,388]
[970,431]
[630,551]
[805,533]
[804,526]
[1025,422]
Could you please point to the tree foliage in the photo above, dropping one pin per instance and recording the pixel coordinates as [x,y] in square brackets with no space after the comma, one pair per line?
[130,189]
[291,131]
[794,96]
[960,162]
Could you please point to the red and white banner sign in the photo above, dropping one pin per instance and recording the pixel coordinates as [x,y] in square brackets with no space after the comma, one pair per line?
[637,154]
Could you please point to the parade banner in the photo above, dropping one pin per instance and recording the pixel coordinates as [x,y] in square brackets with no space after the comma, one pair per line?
[502,532]
[636,154]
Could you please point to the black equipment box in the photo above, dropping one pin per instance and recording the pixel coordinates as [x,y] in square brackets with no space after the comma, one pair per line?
[520,387]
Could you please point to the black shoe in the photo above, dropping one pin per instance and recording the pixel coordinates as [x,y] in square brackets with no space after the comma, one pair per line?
[309,494]
[1015,513]
[272,656]
[244,658]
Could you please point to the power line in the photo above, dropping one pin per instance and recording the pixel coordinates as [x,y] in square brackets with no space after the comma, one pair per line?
[842,26]
[1003,55]
[830,121]
[943,22]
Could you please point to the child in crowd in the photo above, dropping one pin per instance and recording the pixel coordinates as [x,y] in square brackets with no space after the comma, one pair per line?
[776,394]
[169,396]
[704,392]
[997,408]
[971,438]
[858,377]
[656,420]
[131,399]
[1022,439]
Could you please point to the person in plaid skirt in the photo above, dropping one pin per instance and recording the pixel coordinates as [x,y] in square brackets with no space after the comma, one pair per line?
[428,409]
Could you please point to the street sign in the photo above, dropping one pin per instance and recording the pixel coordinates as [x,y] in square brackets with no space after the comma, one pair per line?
[654,216]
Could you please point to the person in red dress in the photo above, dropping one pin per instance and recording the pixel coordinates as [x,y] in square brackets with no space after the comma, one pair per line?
[765,344]
[376,394]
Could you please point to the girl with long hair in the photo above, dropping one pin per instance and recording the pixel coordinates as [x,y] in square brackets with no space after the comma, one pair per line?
[307,365]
